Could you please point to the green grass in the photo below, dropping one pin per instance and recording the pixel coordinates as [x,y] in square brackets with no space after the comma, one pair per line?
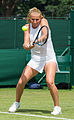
[36,102]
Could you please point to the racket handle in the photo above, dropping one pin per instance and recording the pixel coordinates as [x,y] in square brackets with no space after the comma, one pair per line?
[30,44]
[35,42]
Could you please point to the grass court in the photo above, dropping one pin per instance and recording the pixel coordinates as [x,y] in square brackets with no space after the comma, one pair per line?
[36,104]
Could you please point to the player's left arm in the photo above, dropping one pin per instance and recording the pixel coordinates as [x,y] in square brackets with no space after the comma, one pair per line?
[44,30]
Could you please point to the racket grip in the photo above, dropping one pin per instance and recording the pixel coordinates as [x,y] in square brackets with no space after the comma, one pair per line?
[35,42]
[30,44]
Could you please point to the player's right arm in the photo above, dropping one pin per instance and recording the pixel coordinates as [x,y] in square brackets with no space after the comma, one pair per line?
[27,38]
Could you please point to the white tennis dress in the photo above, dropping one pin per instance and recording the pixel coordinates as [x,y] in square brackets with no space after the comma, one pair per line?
[40,55]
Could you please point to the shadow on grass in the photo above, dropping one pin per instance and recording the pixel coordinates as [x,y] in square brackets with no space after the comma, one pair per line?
[34,111]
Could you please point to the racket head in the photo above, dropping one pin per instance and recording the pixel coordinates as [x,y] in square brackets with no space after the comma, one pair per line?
[44,41]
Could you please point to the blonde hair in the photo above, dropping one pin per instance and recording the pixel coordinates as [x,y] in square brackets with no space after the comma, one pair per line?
[32,10]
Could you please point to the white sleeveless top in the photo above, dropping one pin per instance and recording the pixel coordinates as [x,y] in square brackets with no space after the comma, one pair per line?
[40,55]
[44,52]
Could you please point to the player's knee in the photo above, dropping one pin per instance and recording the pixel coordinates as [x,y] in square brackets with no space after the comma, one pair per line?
[22,80]
[50,80]
[50,84]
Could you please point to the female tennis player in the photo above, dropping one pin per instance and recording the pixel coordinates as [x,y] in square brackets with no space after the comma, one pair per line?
[42,58]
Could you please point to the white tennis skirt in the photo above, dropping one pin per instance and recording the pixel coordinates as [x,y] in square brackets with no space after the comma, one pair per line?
[39,65]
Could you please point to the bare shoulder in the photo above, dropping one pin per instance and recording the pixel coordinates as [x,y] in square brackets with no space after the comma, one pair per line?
[44,22]
[27,25]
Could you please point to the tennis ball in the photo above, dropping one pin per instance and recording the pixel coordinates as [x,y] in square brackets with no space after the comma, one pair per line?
[24,28]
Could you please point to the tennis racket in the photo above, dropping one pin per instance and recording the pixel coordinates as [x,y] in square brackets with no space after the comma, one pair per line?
[36,39]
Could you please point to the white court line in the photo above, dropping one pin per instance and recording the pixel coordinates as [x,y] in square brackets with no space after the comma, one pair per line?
[39,116]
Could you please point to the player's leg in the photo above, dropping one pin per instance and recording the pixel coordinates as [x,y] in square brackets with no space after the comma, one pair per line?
[27,74]
[50,70]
